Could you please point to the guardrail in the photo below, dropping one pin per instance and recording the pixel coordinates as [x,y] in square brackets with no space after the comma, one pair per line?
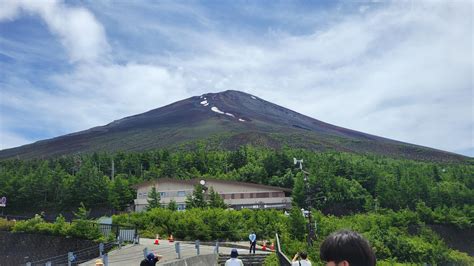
[76,257]
[284,261]
[120,232]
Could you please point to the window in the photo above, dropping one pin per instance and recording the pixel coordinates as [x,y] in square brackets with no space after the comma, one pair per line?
[263,195]
[181,193]
[232,196]
[163,194]
[181,207]
[241,195]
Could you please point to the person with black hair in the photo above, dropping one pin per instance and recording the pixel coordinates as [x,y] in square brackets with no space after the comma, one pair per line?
[346,248]
[234,261]
[300,259]
[150,260]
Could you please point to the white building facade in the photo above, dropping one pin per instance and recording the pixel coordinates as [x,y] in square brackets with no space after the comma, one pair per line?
[236,195]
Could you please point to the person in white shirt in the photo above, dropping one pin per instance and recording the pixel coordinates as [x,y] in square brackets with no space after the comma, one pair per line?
[253,242]
[234,261]
[300,259]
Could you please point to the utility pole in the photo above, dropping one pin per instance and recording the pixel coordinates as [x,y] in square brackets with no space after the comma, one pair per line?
[308,202]
[113,170]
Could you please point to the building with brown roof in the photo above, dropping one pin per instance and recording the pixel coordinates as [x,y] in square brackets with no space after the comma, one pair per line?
[236,195]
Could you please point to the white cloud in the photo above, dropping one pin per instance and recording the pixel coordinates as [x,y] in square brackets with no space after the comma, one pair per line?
[93,95]
[10,140]
[402,71]
[80,33]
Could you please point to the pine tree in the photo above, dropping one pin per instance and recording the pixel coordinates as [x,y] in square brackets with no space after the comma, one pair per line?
[196,200]
[215,200]
[297,224]
[299,191]
[153,199]
[172,205]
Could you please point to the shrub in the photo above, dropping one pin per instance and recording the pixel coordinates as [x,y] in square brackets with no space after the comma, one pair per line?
[6,225]
[271,260]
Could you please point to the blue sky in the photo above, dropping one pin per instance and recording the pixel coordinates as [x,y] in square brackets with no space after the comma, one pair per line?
[401,70]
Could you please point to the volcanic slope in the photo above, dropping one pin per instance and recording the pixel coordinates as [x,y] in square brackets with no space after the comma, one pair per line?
[226,120]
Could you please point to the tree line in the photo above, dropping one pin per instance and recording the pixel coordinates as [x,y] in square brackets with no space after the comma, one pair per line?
[339,183]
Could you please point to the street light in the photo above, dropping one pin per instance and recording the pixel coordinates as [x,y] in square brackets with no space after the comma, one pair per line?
[203,184]
[308,202]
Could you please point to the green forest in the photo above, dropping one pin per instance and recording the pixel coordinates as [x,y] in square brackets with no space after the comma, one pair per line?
[393,202]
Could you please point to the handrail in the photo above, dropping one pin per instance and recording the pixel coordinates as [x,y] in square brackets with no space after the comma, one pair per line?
[284,261]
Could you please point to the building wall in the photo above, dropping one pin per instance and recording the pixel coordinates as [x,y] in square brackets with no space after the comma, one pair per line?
[237,195]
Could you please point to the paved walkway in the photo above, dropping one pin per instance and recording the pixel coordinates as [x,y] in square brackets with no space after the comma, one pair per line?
[130,255]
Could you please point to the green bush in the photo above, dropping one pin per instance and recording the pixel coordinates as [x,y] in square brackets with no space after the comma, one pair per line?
[85,229]
[6,225]
[33,225]
[206,224]
[80,228]
[460,258]
[271,260]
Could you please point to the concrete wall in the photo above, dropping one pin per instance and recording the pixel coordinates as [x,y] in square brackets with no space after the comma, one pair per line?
[19,248]
[202,260]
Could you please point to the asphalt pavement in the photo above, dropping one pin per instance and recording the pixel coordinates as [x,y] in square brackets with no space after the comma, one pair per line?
[130,255]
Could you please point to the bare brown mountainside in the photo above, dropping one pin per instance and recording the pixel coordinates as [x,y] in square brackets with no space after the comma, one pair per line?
[225,120]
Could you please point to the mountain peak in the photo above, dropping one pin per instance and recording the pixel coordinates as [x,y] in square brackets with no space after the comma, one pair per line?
[231,117]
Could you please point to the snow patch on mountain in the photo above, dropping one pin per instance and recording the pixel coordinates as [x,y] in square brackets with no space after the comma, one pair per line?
[215,109]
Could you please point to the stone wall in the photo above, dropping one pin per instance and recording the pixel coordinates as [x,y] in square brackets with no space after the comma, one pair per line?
[19,248]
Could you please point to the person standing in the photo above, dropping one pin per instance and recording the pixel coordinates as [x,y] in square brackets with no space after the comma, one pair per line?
[234,261]
[253,242]
[300,259]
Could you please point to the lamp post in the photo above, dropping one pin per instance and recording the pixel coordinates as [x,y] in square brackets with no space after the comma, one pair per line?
[308,202]
[203,184]
[204,189]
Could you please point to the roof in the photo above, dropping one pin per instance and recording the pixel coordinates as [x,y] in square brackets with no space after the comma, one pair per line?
[195,181]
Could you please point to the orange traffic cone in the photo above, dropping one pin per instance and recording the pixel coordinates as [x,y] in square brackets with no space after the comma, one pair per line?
[157,240]
[264,247]
[272,247]
[170,238]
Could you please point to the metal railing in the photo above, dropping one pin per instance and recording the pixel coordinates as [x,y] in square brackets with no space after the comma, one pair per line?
[282,258]
[120,232]
[76,257]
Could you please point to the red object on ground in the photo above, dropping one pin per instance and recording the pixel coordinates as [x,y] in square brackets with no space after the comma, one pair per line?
[264,247]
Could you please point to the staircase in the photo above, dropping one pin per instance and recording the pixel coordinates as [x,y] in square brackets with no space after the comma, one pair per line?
[247,259]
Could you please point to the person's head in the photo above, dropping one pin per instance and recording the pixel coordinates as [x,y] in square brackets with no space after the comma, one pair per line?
[303,255]
[234,253]
[346,248]
[150,256]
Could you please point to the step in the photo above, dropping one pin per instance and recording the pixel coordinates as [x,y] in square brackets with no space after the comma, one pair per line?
[247,259]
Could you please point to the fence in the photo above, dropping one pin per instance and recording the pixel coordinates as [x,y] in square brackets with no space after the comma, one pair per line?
[284,261]
[119,232]
[76,257]
[124,233]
